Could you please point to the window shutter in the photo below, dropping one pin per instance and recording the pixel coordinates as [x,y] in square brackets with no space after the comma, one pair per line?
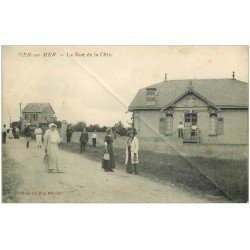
[169,125]
[220,126]
[212,126]
[162,125]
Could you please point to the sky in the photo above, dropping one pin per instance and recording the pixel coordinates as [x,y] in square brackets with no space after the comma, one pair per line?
[96,84]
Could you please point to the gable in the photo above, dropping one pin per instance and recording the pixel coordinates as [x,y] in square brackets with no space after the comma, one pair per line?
[48,110]
[190,100]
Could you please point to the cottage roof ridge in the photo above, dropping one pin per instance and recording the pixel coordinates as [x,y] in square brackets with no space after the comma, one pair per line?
[36,107]
[221,92]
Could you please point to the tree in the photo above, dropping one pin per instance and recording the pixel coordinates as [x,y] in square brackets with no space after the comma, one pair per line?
[92,128]
[79,126]
[103,129]
[58,124]
[120,129]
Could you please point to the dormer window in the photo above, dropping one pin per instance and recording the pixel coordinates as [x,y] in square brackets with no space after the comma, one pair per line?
[151,91]
[151,96]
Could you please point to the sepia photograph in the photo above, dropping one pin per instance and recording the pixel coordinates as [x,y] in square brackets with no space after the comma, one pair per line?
[125,124]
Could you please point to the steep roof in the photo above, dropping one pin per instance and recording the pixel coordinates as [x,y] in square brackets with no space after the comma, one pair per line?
[36,107]
[220,92]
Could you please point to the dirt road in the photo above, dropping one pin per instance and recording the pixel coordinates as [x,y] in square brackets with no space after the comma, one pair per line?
[84,180]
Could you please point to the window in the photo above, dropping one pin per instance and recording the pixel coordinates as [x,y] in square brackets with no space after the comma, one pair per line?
[162,125]
[45,117]
[26,116]
[33,117]
[151,93]
[216,125]
[190,118]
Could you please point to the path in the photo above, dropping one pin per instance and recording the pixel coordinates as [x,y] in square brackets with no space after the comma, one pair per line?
[84,181]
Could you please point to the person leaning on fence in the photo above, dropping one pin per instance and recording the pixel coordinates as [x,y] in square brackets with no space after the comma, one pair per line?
[108,161]
[132,153]
[27,133]
[194,129]
[84,138]
[180,130]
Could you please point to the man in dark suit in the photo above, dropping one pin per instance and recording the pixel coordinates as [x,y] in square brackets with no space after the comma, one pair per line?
[4,134]
[69,133]
[84,138]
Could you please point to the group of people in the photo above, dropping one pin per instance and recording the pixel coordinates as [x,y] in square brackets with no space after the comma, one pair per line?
[108,161]
[13,132]
[52,139]
[84,138]
[181,129]
[132,148]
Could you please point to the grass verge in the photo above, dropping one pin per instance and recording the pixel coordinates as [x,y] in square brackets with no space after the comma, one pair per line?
[10,179]
[207,176]
[231,176]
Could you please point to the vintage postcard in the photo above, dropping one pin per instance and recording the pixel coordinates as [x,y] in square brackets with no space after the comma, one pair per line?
[124,124]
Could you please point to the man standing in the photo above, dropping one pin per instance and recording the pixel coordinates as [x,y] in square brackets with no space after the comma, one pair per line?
[27,132]
[4,134]
[38,133]
[84,138]
[14,132]
[94,139]
[69,133]
[115,134]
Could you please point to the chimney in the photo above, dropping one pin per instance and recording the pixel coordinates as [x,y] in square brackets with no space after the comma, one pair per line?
[233,75]
[166,77]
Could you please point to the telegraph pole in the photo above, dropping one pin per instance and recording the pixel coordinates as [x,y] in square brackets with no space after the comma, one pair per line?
[20,111]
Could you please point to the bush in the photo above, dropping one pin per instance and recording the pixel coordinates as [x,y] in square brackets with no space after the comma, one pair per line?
[79,126]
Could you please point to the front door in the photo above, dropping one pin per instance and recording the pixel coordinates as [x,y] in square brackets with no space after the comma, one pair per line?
[190,118]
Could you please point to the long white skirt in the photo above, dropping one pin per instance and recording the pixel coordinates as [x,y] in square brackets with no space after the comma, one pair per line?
[53,153]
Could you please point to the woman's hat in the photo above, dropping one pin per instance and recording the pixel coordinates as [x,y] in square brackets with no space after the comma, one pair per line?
[52,125]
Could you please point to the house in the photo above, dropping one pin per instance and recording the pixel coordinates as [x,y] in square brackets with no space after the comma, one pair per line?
[38,113]
[218,107]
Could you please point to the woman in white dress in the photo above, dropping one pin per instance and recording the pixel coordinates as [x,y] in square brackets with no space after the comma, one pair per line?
[132,148]
[51,141]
